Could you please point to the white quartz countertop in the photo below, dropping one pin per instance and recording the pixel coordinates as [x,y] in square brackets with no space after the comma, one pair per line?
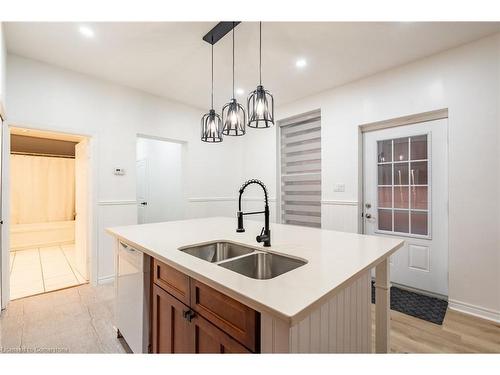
[333,260]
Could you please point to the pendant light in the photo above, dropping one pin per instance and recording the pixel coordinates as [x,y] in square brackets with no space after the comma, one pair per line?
[211,124]
[233,114]
[260,101]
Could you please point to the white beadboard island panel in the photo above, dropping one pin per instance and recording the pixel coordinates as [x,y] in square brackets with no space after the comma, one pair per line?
[341,325]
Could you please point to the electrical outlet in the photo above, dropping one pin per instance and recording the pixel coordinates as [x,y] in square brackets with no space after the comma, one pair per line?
[339,188]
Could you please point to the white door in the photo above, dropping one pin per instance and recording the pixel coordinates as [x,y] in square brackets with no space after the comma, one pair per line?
[81,207]
[142,191]
[406,196]
[160,186]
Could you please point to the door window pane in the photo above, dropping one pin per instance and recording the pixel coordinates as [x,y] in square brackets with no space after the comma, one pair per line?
[401,197]
[419,197]
[385,174]
[385,197]
[419,223]
[403,191]
[401,221]
[384,151]
[418,147]
[400,173]
[385,220]
[401,149]
[418,173]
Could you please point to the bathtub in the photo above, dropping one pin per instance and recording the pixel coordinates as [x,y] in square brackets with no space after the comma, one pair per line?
[26,236]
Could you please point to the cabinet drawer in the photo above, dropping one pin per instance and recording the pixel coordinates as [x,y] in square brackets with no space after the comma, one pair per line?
[239,321]
[171,280]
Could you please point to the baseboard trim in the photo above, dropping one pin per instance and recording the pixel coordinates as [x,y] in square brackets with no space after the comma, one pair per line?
[105,279]
[480,312]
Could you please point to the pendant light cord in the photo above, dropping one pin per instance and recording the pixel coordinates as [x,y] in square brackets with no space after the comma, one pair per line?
[260,53]
[233,61]
[212,95]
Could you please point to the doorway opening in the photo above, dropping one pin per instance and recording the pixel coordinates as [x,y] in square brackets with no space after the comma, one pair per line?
[160,179]
[48,202]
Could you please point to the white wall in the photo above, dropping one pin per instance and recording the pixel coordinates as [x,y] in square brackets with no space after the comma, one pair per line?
[46,97]
[466,80]
[165,179]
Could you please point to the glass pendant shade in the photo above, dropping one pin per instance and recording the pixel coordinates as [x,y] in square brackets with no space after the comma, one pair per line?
[260,108]
[211,127]
[234,118]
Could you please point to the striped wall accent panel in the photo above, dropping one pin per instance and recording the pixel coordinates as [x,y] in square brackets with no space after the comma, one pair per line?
[301,171]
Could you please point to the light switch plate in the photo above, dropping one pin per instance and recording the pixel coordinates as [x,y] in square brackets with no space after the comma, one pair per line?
[339,188]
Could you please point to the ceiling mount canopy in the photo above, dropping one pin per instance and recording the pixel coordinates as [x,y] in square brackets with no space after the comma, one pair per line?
[219,31]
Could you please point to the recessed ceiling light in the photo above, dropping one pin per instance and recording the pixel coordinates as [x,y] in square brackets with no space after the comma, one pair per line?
[86,31]
[240,91]
[300,63]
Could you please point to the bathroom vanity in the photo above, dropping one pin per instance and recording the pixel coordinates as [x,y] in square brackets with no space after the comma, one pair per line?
[208,289]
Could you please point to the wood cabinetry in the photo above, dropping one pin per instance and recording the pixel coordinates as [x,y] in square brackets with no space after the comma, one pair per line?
[190,317]
[171,332]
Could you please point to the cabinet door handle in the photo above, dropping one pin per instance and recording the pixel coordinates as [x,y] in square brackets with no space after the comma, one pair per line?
[189,315]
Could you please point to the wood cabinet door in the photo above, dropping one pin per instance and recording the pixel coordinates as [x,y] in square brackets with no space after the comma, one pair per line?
[231,316]
[171,332]
[210,339]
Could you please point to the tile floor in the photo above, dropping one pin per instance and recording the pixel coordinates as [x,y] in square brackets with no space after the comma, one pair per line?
[73,320]
[43,269]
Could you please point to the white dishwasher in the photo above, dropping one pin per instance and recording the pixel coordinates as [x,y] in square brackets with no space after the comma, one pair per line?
[132,297]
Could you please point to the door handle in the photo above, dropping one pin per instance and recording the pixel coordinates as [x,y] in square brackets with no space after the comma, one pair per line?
[144,203]
[368,216]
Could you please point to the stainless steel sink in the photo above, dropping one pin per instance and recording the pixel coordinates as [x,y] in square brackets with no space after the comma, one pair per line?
[218,251]
[262,266]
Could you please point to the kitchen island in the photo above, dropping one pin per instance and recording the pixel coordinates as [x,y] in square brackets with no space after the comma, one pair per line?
[321,305]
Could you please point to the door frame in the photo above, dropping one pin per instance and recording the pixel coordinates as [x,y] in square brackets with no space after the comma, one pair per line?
[413,119]
[92,220]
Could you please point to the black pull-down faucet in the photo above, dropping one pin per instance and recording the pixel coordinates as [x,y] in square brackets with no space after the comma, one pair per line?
[265,234]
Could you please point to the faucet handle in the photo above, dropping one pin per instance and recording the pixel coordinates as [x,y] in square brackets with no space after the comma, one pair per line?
[260,238]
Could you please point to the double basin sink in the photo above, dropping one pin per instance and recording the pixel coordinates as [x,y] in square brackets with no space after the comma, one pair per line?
[244,260]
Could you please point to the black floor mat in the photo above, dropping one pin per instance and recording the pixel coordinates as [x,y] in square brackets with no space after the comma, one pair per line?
[418,305]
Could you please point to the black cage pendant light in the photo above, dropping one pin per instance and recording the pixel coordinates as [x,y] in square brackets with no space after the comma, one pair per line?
[260,102]
[233,114]
[211,124]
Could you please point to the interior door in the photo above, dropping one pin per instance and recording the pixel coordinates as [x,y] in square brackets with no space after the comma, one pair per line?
[142,190]
[81,207]
[405,171]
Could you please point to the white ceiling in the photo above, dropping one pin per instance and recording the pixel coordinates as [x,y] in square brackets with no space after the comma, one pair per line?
[171,60]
